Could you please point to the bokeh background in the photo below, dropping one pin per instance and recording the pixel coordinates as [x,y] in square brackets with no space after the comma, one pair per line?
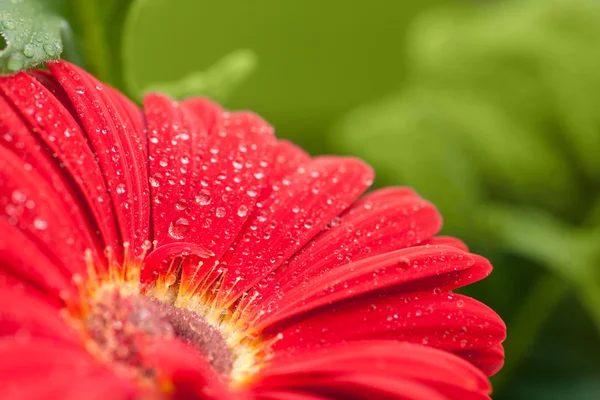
[490,109]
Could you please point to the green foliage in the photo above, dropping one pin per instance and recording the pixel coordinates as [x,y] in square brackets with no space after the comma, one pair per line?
[498,125]
[217,82]
[98,24]
[103,41]
[505,92]
[536,60]
[406,141]
[32,34]
[317,58]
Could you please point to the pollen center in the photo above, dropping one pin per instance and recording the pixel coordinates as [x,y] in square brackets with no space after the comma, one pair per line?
[123,321]
[115,322]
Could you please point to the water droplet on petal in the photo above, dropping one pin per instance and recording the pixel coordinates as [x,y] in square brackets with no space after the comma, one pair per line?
[242,210]
[220,212]
[179,228]
[203,198]
[155,180]
[181,205]
[170,279]
[18,197]
[40,224]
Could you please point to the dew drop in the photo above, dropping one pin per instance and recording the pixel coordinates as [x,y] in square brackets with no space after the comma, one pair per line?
[170,279]
[237,164]
[242,210]
[29,50]
[18,197]
[203,198]
[15,62]
[9,24]
[154,180]
[40,224]
[220,212]
[50,49]
[178,228]
[181,205]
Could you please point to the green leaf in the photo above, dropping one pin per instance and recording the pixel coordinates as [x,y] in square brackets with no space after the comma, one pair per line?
[570,253]
[534,59]
[541,237]
[31,32]
[217,82]
[408,143]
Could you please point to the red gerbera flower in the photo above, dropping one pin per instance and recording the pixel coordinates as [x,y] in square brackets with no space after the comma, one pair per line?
[183,251]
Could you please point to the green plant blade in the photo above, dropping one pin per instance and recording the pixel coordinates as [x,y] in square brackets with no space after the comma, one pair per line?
[31,32]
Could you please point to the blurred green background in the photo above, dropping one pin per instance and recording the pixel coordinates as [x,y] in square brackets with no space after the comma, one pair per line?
[491,109]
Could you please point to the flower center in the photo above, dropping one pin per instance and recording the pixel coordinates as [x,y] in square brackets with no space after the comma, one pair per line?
[118,316]
[115,322]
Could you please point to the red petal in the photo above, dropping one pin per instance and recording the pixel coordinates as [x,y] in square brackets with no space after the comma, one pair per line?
[207,111]
[30,204]
[221,173]
[118,147]
[22,259]
[174,139]
[45,369]
[447,241]
[185,368]
[100,386]
[134,118]
[405,270]
[375,369]
[385,220]
[159,261]
[24,314]
[55,128]
[368,386]
[287,158]
[233,162]
[447,321]
[489,360]
[288,395]
[302,204]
